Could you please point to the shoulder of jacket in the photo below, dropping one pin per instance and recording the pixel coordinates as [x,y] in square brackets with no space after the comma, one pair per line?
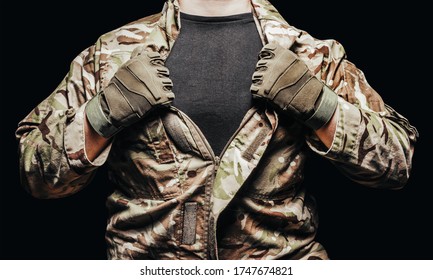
[309,47]
[298,40]
[128,36]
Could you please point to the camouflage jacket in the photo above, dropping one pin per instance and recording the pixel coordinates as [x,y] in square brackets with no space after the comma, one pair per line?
[175,199]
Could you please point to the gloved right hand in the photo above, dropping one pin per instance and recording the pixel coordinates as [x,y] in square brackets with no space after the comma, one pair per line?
[139,86]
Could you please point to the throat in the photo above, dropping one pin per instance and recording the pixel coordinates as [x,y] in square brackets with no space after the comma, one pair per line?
[215,7]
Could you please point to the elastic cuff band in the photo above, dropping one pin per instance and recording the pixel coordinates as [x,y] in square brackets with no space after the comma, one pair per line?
[325,110]
[98,120]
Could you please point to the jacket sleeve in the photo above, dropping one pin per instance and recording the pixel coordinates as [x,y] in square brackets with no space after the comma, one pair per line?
[373,144]
[53,162]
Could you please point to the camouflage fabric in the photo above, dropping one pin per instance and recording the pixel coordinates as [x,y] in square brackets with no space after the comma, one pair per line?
[174,198]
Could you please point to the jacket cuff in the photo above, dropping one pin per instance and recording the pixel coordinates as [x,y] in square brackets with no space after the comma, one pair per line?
[75,141]
[346,133]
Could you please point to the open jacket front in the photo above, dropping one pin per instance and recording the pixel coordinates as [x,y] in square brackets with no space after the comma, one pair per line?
[174,198]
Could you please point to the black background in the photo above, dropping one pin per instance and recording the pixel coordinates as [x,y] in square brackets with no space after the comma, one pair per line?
[391,44]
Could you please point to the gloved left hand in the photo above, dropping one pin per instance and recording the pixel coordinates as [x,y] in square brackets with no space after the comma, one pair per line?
[286,82]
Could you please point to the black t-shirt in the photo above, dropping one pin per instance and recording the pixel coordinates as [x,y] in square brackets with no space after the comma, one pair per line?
[211,65]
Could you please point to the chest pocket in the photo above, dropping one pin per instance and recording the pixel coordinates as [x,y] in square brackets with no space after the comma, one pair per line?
[280,170]
[143,161]
[159,144]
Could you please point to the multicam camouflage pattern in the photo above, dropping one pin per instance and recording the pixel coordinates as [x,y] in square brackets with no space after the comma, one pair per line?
[174,198]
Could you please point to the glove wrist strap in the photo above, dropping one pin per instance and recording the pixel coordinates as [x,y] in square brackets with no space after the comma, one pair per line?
[325,109]
[98,120]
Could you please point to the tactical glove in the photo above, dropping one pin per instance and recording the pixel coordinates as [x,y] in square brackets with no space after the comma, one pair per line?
[138,86]
[284,80]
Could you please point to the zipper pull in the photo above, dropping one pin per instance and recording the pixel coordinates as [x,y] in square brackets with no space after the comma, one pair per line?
[217,162]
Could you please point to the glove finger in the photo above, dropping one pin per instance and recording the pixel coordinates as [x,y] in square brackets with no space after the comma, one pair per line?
[167,99]
[158,61]
[261,65]
[167,84]
[257,78]
[269,50]
[153,55]
[266,54]
[162,72]
[155,58]
[170,95]
[255,91]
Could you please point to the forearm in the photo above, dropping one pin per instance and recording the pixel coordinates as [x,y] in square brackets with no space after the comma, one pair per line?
[46,155]
[52,159]
[370,148]
[327,132]
[94,143]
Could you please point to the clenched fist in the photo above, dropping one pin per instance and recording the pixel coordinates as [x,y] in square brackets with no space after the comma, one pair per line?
[139,86]
[284,80]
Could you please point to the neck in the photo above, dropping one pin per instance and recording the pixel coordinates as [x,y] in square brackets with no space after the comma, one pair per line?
[214,7]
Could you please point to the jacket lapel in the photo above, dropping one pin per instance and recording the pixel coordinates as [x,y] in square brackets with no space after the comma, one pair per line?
[163,36]
[272,25]
[241,157]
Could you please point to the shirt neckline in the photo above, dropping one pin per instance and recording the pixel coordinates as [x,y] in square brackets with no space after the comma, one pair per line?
[217,19]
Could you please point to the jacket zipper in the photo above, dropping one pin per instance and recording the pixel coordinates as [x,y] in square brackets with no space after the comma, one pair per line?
[216,159]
